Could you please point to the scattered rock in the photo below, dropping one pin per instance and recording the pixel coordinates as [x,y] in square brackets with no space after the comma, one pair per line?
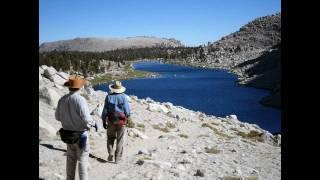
[40,77]
[48,72]
[41,70]
[135,98]
[58,86]
[97,111]
[168,105]
[144,151]
[183,152]
[199,173]
[49,95]
[161,164]
[140,162]
[157,108]
[58,176]
[57,79]
[46,131]
[170,114]
[63,75]
[149,100]
[181,167]
[137,133]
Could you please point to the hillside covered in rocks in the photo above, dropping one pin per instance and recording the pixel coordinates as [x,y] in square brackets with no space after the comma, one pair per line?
[165,141]
[253,53]
[107,44]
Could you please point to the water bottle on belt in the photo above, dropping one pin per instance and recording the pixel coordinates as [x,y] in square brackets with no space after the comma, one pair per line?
[83,140]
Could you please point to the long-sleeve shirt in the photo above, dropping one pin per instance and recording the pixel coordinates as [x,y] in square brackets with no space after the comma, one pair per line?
[73,112]
[115,103]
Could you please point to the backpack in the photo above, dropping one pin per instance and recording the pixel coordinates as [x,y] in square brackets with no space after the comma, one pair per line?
[117,118]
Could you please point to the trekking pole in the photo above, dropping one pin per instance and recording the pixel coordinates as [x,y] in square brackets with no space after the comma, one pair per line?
[127,147]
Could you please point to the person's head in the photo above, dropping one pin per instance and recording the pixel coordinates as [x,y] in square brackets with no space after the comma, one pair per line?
[117,87]
[75,83]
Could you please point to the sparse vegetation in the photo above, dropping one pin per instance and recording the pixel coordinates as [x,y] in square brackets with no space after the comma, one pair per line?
[216,131]
[170,125]
[128,74]
[183,135]
[130,123]
[163,129]
[203,135]
[249,142]
[231,178]
[212,150]
[146,158]
[252,135]
[253,178]
[140,125]
[214,123]
[239,178]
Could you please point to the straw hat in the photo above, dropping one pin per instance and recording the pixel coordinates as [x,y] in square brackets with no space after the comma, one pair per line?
[75,82]
[117,87]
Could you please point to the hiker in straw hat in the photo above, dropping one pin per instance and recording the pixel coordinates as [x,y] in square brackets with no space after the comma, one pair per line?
[73,113]
[115,114]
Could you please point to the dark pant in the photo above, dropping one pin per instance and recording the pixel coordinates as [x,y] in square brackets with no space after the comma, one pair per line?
[115,132]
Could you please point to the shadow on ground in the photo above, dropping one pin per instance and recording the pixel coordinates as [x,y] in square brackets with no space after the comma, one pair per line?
[63,150]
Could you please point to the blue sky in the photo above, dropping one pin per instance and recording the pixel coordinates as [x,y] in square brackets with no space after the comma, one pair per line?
[193,22]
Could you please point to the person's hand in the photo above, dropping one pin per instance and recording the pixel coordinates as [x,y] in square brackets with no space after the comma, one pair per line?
[105,125]
[96,127]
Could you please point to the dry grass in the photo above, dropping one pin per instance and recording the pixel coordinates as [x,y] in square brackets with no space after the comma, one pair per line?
[231,178]
[253,178]
[216,131]
[239,178]
[249,142]
[212,150]
[141,125]
[163,129]
[203,135]
[213,123]
[183,135]
[170,125]
[130,123]
[252,135]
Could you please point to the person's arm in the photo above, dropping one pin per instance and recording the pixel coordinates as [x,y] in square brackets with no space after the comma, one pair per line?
[57,113]
[105,110]
[85,113]
[126,107]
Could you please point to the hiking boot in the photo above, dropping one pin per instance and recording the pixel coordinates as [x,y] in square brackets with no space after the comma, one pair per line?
[117,161]
[110,158]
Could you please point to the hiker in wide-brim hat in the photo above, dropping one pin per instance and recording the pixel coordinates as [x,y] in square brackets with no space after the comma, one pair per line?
[73,113]
[115,114]
[117,87]
[75,82]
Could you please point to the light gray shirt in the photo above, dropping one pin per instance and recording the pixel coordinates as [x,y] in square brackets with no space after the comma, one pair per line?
[73,112]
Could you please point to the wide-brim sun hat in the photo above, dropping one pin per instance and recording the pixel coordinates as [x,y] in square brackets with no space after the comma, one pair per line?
[117,87]
[75,82]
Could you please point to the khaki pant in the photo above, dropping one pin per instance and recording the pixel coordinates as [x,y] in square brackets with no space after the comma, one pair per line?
[74,154]
[115,132]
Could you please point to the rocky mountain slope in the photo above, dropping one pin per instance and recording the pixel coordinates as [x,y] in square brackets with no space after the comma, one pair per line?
[106,44]
[167,141]
[250,53]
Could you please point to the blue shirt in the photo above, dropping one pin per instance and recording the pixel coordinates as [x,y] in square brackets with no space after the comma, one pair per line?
[115,103]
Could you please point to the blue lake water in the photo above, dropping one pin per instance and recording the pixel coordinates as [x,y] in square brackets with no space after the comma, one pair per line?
[214,92]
